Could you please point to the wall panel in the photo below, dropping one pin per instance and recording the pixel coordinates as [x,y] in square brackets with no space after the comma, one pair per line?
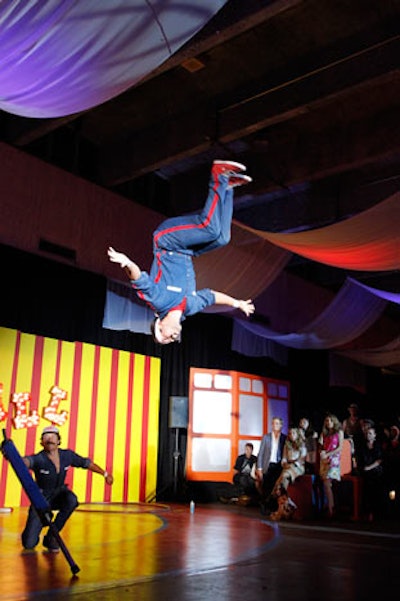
[112,407]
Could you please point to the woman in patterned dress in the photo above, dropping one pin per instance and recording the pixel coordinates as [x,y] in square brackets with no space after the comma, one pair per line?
[330,449]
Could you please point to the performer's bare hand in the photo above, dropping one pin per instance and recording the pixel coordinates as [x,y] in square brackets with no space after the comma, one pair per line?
[244,305]
[131,268]
[247,307]
[117,257]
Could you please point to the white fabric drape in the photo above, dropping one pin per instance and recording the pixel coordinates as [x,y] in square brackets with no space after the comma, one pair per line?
[384,356]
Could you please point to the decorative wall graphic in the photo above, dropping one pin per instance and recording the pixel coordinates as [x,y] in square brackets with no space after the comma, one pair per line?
[105,402]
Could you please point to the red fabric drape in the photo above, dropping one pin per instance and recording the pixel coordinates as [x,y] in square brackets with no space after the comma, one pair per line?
[369,241]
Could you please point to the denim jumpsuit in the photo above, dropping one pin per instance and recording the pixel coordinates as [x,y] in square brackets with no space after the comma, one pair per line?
[51,484]
[171,283]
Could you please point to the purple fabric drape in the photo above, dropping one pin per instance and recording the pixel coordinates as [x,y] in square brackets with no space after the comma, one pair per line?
[392,297]
[60,57]
[350,313]
[122,310]
[245,343]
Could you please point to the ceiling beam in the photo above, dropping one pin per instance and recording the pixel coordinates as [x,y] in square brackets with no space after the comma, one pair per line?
[197,130]
[365,69]
[21,131]
[296,156]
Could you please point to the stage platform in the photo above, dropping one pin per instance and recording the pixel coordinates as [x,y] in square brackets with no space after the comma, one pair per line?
[163,552]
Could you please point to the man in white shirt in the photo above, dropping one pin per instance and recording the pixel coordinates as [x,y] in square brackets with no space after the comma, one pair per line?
[269,457]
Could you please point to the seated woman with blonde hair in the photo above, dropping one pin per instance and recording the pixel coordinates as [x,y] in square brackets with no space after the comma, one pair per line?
[293,459]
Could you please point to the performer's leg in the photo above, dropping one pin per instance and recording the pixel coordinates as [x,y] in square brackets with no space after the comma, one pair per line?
[66,502]
[195,232]
[33,527]
[225,210]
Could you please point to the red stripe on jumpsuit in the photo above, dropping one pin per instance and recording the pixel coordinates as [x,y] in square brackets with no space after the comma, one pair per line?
[187,227]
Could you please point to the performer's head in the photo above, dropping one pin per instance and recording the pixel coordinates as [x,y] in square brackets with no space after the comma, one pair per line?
[50,437]
[168,329]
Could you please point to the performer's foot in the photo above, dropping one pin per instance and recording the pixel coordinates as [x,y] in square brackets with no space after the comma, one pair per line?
[228,167]
[238,179]
[51,544]
[28,551]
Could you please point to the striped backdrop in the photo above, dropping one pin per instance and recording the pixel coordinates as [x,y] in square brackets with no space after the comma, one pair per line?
[112,404]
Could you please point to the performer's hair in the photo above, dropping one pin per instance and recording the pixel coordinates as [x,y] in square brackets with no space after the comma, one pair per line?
[153,330]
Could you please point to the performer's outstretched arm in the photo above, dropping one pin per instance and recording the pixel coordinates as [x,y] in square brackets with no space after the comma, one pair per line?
[132,270]
[246,306]
[93,467]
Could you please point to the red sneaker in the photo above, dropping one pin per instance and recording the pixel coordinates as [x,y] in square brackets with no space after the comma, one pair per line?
[221,166]
[238,179]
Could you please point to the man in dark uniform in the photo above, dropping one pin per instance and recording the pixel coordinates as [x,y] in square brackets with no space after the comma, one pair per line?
[50,467]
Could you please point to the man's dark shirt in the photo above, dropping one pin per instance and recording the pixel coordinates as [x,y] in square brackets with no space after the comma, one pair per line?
[244,465]
[47,478]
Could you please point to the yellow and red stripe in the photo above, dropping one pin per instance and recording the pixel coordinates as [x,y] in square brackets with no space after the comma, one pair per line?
[112,405]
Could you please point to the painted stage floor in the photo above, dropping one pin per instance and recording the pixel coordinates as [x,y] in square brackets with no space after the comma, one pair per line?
[152,551]
[117,544]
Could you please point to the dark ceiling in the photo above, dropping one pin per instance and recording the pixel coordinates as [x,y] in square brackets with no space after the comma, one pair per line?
[305,93]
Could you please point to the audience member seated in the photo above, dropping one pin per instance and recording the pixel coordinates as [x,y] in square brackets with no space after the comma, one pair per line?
[293,459]
[243,490]
[310,438]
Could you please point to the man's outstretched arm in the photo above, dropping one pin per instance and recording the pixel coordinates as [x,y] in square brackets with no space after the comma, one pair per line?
[246,306]
[132,270]
[93,467]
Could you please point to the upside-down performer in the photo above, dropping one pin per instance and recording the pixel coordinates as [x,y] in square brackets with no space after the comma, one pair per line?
[170,287]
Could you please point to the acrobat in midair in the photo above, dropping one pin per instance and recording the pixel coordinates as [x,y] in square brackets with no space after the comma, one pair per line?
[170,287]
